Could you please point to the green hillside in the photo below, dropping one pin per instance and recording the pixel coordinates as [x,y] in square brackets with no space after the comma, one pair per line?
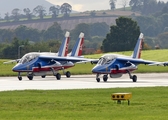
[106,16]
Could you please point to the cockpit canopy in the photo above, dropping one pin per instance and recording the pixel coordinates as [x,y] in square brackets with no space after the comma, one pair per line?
[106,59]
[28,57]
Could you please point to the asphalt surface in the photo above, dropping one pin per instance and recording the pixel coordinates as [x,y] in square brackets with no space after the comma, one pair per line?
[82,82]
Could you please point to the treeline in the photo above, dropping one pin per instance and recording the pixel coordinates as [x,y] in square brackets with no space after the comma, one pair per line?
[154,24]
[39,11]
[147,7]
[48,40]
[123,37]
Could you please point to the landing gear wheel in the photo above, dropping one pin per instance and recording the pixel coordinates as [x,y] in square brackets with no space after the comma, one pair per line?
[58,76]
[134,78]
[98,79]
[68,74]
[43,76]
[30,77]
[105,77]
[20,78]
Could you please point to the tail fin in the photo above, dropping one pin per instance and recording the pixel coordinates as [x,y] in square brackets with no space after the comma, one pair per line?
[138,47]
[77,49]
[63,50]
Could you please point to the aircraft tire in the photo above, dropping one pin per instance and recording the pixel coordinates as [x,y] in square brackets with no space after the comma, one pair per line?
[134,78]
[105,77]
[58,76]
[20,78]
[68,74]
[43,76]
[98,79]
[30,77]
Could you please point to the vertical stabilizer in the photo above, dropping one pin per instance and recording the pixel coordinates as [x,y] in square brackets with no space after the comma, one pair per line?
[63,50]
[77,49]
[138,47]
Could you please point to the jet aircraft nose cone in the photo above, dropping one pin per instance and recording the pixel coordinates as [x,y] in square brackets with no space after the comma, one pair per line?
[100,69]
[16,68]
[95,69]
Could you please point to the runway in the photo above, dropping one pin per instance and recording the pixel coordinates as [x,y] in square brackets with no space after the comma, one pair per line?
[82,82]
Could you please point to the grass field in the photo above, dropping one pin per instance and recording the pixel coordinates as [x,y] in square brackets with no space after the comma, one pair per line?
[94,104]
[156,55]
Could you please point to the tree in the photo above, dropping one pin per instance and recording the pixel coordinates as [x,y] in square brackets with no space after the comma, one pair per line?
[66,9]
[93,13]
[99,29]
[136,4]
[22,32]
[164,19]
[122,37]
[82,27]
[28,13]
[11,51]
[53,32]
[163,40]
[40,10]
[6,16]
[15,13]
[112,4]
[54,10]
[149,6]
[124,3]
[149,25]
[6,35]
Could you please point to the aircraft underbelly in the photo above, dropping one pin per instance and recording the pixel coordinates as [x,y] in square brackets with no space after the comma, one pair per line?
[42,73]
[46,68]
[67,66]
[123,71]
[116,75]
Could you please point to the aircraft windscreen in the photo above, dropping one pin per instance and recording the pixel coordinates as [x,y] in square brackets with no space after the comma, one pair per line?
[28,57]
[101,61]
[106,60]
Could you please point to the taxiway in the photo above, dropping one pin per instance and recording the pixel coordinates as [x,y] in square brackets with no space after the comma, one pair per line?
[82,82]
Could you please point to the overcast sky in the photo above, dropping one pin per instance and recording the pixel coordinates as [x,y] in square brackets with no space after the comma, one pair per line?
[84,5]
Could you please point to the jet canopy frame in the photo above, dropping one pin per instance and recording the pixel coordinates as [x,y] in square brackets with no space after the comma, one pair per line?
[28,57]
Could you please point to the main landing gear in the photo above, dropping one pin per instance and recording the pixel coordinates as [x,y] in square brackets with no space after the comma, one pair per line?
[30,76]
[68,74]
[43,76]
[105,77]
[57,75]
[133,77]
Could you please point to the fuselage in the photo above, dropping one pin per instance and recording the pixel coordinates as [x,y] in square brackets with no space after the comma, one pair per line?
[32,62]
[108,64]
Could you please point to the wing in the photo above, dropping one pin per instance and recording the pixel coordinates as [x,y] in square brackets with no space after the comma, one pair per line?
[159,64]
[72,59]
[12,61]
[136,61]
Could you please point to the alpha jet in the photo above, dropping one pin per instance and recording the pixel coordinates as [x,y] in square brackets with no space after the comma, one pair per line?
[116,65]
[41,64]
